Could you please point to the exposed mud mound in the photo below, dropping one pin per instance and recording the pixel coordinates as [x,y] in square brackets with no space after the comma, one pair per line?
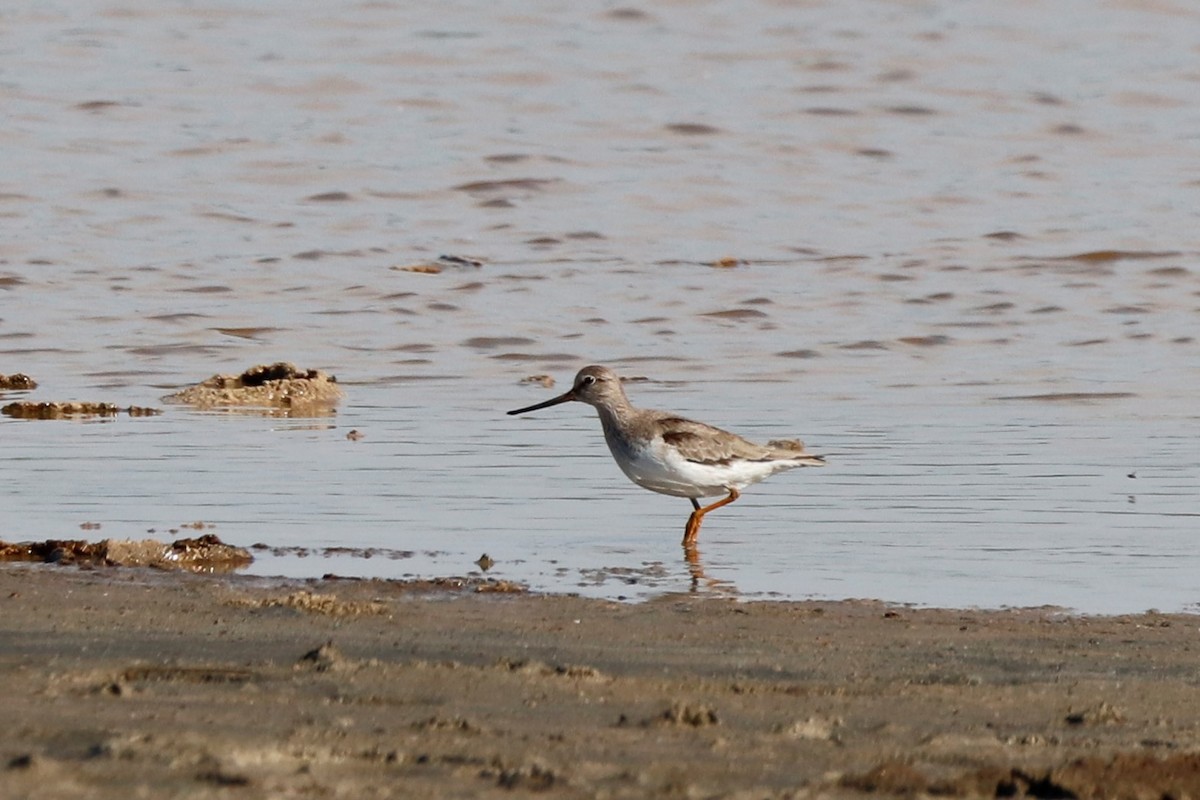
[202,554]
[16,381]
[49,410]
[267,386]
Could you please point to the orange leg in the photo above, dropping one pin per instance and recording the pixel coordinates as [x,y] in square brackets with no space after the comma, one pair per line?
[693,523]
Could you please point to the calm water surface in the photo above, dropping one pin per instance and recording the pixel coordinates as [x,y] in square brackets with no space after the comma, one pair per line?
[965,267]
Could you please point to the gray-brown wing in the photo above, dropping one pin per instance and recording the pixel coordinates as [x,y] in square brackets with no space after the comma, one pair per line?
[705,444]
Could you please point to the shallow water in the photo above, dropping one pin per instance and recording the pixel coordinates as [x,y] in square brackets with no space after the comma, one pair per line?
[965,268]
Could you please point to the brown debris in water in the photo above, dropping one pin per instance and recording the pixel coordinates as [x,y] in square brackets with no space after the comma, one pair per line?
[692,129]
[442,262]
[1105,256]
[925,341]
[506,186]
[200,554]
[278,386]
[28,409]
[735,314]
[1070,397]
[16,381]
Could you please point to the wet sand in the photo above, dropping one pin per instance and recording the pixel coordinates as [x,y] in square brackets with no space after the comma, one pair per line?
[126,682]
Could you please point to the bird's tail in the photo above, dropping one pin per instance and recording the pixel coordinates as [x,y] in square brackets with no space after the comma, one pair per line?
[793,449]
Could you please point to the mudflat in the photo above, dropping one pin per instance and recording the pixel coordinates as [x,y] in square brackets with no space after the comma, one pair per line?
[134,683]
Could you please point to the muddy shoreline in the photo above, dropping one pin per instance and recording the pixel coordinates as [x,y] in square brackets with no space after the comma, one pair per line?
[129,681]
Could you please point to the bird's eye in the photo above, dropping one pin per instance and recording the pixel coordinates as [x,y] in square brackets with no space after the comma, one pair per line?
[588,380]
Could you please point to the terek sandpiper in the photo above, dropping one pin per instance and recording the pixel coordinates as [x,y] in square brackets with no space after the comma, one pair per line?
[672,455]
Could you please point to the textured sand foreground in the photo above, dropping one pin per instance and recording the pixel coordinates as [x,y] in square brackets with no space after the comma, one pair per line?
[131,683]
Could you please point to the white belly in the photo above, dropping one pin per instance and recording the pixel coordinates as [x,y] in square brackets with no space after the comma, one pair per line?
[661,469]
